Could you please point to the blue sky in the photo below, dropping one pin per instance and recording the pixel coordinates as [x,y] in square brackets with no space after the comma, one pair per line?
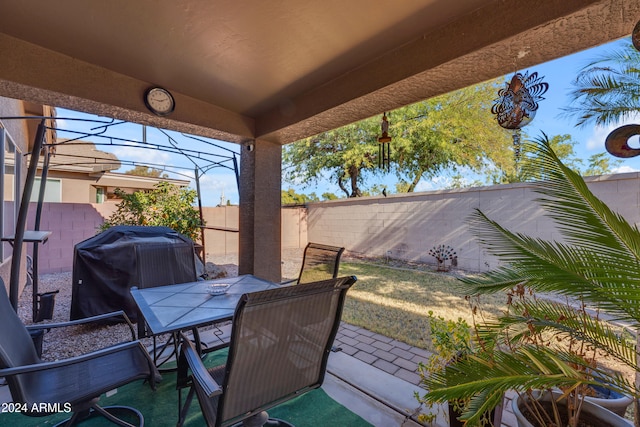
[590,139]
[559,74]
[218,181]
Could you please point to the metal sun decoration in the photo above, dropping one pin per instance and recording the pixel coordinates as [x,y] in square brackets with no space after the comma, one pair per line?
[442,254]
[617,142]
[384,148]
[517,104]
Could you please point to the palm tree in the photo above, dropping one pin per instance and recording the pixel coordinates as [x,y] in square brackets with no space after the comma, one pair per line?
[607,90]
[597,262]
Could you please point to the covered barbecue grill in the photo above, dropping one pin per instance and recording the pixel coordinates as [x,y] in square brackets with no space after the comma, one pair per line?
[107,265]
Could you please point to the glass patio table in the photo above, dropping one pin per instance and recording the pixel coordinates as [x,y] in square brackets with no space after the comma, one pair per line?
[190,305]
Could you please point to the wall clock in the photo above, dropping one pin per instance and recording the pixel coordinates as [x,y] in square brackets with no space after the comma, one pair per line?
[159,101]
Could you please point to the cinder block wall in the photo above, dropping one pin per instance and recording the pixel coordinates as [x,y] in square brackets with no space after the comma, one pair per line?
[407,226]
[71,223]
[399,226]
[219,242]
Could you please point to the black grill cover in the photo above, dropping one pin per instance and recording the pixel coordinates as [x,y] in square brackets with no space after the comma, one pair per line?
[107,265]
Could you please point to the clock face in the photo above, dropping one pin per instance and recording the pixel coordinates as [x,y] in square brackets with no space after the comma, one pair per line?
[159,101]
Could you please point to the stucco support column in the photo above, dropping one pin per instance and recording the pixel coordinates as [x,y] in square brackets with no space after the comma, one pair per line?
[260,216]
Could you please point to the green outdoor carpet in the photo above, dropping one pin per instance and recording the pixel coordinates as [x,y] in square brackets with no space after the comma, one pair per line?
[160,407]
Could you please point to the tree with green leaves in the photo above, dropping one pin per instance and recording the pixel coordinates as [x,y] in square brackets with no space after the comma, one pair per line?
[600,164]
[166,205]
[290,197]
[347,155]
[564,148]
[452,130]
[140,170]
[607,90]
[562,145]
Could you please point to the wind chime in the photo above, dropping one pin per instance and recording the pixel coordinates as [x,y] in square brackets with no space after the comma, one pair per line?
[384,148]
[517,104]
[617,142]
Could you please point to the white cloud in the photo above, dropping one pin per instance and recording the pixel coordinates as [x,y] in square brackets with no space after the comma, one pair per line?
[62,123]
[435,183]
[425,186]
[624,169]
[213,185]
[143,155]
[597,137]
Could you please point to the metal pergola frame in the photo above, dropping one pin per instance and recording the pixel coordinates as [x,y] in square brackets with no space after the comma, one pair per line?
[202,162]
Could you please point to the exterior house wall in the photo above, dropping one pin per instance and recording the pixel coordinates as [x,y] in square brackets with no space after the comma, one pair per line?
[407,226]
[75,189]
[18,129]
[81,187]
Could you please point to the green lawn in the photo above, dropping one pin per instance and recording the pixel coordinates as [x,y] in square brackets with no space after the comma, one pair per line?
[395,302]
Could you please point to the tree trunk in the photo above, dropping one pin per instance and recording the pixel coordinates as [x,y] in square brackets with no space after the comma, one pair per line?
[414,183]
[341,184]
[353,174]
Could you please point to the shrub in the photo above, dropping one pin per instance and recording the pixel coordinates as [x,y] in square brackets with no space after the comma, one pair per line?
[166,205]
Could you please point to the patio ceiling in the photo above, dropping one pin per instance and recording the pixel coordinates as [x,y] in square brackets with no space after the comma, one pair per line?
[281,70]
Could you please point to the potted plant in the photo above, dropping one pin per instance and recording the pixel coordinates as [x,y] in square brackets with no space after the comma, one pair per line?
[451,340]
[596,263]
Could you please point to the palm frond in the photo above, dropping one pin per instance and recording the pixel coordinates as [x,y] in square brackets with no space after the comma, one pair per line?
[583,219]
[617,57]
[607,89]
[561,320]
[598,260]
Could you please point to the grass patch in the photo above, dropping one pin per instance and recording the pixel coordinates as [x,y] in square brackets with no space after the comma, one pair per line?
[395,302]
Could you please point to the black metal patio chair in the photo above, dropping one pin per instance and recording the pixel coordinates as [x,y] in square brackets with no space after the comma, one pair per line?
[280,343]
[43,388]
[320,262]
[162,265]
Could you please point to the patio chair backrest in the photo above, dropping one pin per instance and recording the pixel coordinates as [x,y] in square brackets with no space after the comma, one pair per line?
[16,345]
[320,262]
[280,343]
[160,264]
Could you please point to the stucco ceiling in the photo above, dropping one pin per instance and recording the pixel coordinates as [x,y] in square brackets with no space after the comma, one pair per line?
[281,70]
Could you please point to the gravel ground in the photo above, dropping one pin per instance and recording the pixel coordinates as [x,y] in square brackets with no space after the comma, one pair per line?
[71,341]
